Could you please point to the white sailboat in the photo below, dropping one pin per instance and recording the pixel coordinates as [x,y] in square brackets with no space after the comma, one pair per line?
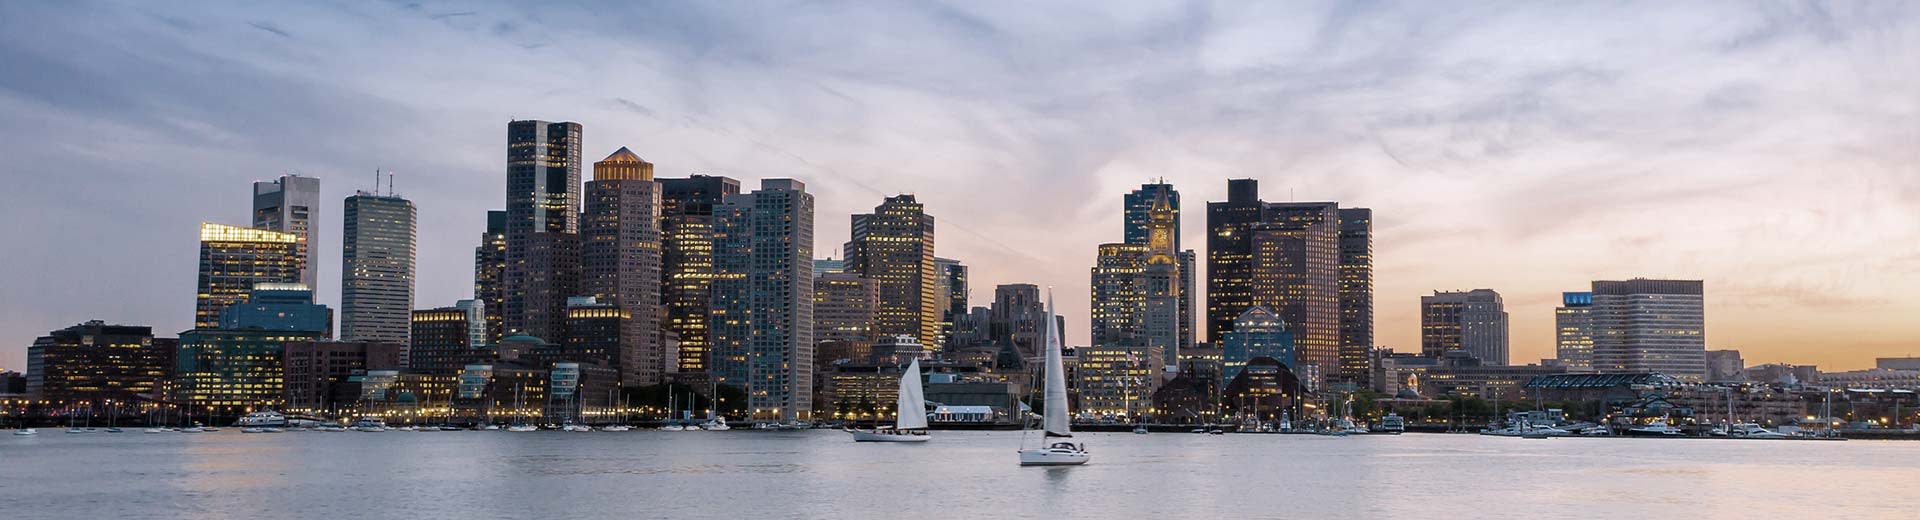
[1059,449]
[910,424]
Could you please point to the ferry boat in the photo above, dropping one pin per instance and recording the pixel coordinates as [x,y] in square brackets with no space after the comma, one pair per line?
[263,419]
[1393,424]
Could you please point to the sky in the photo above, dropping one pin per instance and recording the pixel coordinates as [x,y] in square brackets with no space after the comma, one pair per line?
[1770,149]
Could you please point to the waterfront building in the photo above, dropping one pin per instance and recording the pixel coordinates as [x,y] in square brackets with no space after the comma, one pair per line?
[1643,325]
[1725,366]
[1872,378]
[596,331]
[1296,273]
[1016,322]
[893,247]
[1897,363]
[761,324]
[1230,255]
[291,204]
[12,383]
[844,305]
[1266,389]
[686,253]
[1356,296]
[490,274]
[443,338]
[94,362]
[543,241]
[1473,321]
[314,368]
[621,263]
[1784,374]
[1259,333]
[1458,373]
[237,366]
[951,298]
[1118,380]
[1573,331]
[233,259]
[376,274]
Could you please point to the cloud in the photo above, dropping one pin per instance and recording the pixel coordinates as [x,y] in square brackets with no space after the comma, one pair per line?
[1527,148]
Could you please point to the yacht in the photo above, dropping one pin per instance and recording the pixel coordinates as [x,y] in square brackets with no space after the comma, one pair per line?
[716,424]
[369,424]
[910,424]
[263,419]
[26,431]
[523,428]
[673,427]
[1392,424]
[576,428]
[1655,429]
[1056,434]
[1754,431]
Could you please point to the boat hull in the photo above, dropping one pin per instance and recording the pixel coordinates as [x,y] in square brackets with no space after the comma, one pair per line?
[1053,457]
[873,436]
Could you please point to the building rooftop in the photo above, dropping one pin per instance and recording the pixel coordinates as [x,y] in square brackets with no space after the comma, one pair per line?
[1564,381]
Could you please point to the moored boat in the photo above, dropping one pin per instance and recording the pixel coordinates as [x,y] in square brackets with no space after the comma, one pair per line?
[1056,433]
[910,423]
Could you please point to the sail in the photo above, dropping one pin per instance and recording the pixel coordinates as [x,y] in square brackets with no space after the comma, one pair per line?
[1055,422]
[913,402]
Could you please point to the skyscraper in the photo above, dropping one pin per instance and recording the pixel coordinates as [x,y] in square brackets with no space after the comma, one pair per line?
[1139,212]
[95,362]
[893,246]
[290,204]
[1573,331]
[1230,255]
[1472,321]
[1142,287]
[620,261]
[1119,301]
[1016,323]
[238,364]
[844,305]
[1356,295]
[543,242]
[376,268]
[1296,273]
[490,274]
[762,318]
[233,260]
[1643,325]
[686,228]
[952,276]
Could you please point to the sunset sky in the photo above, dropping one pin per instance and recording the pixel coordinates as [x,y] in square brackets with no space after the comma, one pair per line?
[1772,150]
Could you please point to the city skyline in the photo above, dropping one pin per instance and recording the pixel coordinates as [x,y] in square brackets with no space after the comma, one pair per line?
[1541,175]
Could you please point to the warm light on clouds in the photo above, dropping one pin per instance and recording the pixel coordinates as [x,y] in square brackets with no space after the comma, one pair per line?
[1528,148]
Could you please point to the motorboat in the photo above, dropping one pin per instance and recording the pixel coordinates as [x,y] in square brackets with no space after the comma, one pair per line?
[1056,432]
[156,430]
[523,428]
[26,431]
[616,428]
[673,427]
[253,430]
[369,424]
[1654,429]
[716,424]
[910,424]
[1754,431]
[576,428]
[1140,429]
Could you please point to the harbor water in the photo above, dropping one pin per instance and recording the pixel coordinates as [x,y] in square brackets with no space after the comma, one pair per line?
[822,474]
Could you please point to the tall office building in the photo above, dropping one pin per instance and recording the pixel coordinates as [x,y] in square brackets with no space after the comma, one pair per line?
[490,274]
[234,259]
[376,268]
[762,318]
[543,241]
[893,246]
[844,306]
[952,299]
[1296,273]
[1573,331]
[686,229]
[620,261]
[237,365]
[1118,300]
[1230,255]
[291,204]
[1471,321]
[1643,325]
[1356,296]
[94,362]
[1017,323]
[445,338]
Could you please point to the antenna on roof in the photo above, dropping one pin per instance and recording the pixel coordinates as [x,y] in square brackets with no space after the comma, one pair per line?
[389,183]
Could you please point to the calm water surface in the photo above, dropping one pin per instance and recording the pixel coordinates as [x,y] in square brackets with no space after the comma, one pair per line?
[821,474]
